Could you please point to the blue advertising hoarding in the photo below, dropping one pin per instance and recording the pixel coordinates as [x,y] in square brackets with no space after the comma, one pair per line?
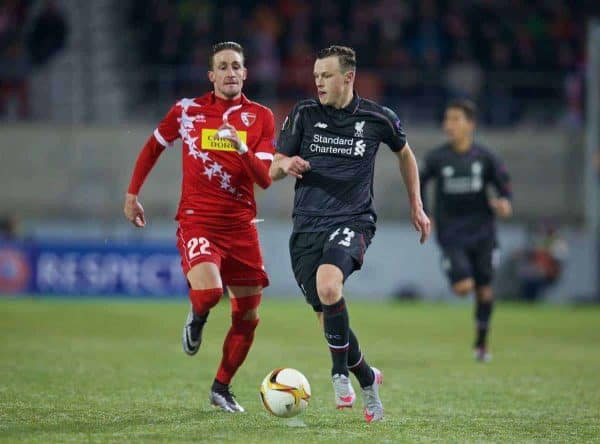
[75,268]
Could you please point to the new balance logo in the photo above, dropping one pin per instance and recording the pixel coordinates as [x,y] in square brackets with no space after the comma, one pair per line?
[359,148]
[320,125]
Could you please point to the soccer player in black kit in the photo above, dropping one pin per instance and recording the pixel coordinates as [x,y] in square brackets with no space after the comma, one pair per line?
[329,146]
[464,212]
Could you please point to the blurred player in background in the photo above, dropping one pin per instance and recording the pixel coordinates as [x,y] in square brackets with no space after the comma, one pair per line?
[329,146]
[228,146]
[464,212]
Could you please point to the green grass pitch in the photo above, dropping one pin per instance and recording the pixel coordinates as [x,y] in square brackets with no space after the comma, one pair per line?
[112,371]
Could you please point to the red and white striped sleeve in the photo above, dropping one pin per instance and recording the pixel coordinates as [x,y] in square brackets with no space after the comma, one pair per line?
[167,130]
[266,146]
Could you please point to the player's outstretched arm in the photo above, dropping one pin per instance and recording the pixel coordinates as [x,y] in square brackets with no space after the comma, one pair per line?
[410,175]
[134,212]
[283,166]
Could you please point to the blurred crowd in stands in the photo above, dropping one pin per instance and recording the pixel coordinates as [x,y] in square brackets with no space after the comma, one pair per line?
[411,54]
[31,33]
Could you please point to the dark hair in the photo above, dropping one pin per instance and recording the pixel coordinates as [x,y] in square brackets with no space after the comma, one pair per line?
[467,106]
[218,47]
[345,55]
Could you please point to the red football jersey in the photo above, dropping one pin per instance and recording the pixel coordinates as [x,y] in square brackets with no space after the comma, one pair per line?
[216,189]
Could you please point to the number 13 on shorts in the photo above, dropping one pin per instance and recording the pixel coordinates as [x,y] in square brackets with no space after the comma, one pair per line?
[347,234]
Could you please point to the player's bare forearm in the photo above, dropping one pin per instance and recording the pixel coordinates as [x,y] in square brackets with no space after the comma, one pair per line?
[275,170]
[288,166]
[410,175]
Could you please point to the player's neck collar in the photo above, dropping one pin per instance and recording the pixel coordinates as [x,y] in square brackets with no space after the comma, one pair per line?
[351,107]
[463,150]
[227,103]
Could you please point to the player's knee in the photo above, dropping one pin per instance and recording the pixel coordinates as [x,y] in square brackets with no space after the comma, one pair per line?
[204,275]
[250,315]
[329,292]
[463,287]
[329,284]
[203,300]
[244,313]
[485,293]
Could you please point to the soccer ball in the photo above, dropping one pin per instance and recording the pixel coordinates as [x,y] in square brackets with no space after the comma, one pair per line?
[285,392]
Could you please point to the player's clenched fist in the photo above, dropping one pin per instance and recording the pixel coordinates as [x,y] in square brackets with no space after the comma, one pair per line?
[228,132]
[134,212]
[295,166]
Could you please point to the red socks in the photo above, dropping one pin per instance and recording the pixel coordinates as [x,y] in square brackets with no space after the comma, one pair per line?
[204,300]
[240,337]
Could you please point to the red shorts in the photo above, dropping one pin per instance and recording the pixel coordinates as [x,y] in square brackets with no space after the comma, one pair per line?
[236,254]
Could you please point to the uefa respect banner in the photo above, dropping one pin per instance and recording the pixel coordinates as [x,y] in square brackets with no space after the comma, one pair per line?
[76,268]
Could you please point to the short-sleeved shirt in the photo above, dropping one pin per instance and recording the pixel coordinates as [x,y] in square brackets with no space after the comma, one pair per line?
[217,190]
[462,212]
[340,145]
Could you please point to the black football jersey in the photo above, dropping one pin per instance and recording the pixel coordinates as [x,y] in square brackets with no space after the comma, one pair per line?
[462,212]
[340,145]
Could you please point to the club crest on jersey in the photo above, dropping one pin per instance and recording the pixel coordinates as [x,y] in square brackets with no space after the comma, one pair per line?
[248,119]
[359,129]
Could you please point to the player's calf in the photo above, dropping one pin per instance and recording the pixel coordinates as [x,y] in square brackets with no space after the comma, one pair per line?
[239,339]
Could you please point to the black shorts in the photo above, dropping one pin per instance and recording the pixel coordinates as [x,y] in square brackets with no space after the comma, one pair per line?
[476,261]
[343,246]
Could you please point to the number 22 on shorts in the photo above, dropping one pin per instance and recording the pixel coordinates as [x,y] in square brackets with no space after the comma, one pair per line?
[197,246]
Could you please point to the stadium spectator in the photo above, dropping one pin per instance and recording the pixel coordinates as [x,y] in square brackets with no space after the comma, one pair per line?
[48,33]
[8,228]
[484,47]
[14,67]
[540,263]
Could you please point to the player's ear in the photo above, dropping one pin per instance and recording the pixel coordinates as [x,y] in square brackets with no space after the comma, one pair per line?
[244,74]
[472,124]
[211,76]
[349,76]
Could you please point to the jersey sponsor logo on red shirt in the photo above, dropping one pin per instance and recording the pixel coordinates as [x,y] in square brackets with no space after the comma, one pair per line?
[209,142]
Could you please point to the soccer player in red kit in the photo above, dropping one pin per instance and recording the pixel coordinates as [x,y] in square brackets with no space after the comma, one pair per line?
[228,146]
